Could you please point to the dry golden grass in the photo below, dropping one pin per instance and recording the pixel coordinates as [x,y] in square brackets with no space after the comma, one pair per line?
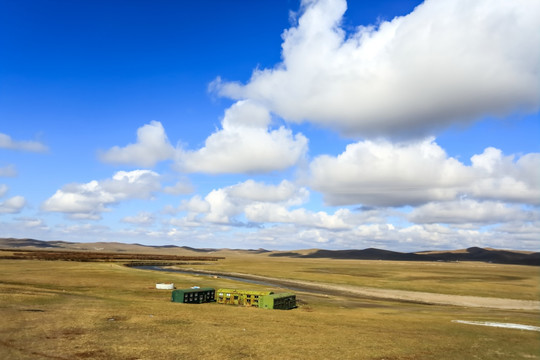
[71,310]
[459,278]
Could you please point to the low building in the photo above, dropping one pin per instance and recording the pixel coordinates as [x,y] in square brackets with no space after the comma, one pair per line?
[194,295]
[282,301]
[240,297]
[261,299]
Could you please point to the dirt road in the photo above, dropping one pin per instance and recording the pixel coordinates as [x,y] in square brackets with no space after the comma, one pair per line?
[390,294]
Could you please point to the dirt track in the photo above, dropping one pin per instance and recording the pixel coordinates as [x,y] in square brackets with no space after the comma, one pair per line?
[389,294]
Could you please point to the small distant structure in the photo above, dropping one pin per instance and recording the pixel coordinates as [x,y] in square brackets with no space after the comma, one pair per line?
[240,297]
[281,301]
[251,298]
[194,296]
[260,299]
[165,286]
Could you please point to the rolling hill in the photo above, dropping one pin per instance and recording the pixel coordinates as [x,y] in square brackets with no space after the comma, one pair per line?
[469,254]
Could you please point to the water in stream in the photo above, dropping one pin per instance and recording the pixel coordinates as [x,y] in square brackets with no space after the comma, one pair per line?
[228,277]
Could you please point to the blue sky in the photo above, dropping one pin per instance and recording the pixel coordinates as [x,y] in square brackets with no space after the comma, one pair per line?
[403,125]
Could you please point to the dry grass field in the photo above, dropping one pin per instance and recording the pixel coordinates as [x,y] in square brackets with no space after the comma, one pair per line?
[104,310]
[460,278]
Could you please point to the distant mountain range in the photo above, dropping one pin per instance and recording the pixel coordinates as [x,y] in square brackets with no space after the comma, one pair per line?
[470,254]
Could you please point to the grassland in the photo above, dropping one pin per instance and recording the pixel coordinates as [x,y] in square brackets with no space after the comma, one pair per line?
[459,278]
[104,310]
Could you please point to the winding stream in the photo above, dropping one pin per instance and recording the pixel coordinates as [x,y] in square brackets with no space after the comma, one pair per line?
[228,277]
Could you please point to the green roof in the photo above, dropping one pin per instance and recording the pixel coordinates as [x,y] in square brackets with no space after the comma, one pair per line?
[278,295]
[190,290]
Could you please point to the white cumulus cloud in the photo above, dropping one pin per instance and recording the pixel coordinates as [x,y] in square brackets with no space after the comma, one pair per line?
[468,211]
[13,205]
[245,144]
[223,205]
[152,146]
[89,200]
[276,213]
[506,178]
[381,173]
[284,192]
[447,61]
[7,142]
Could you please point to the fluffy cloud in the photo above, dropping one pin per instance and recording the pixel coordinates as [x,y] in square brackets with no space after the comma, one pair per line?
[12,205]
[275,213]
[447,61]
[380,173]
[254,203]
[468,211]
[418,237]
[500,177]
[223,205]
[285,192]
[151,147]
[88,201]
[245,145]
[136,184]
[7,142]
[195,205]
[524,234]
[385,174]
[385,236]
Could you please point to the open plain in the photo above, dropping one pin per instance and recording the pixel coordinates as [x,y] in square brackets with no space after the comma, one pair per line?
[104,310]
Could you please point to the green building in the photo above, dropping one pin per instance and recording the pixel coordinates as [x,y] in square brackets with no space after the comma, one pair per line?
[283,301]
[194,295]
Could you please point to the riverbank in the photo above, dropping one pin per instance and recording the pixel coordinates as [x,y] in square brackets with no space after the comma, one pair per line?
[383,294]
